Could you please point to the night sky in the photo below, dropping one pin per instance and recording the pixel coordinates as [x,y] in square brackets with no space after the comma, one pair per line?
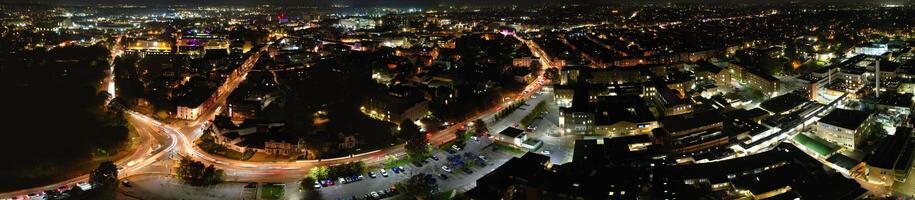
[418,3]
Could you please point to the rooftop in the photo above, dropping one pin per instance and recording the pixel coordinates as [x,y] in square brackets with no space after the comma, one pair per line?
[689,121]
[897,150]
[511,132]
[783,103]
[629,108]
[848,119]
[814,145]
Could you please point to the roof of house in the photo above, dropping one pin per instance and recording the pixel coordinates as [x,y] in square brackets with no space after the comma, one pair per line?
[689,121]
[898,146]
[783,103]
[848,119]
[705,66]
[511,132]
[843,161]
[895,99]
[629,108]
[814,145]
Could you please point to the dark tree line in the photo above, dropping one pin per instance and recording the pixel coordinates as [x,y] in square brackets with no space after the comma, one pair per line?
[54,114]
[417,144]
[198,174]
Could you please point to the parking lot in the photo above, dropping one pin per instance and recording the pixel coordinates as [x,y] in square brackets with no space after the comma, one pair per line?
[457,179]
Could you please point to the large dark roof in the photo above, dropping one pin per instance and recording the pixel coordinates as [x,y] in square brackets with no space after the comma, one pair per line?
[895,99]
[896,150]
[786,165]
[783,103]
[688,121]
[849,119]
[511,132]
[705,66]
[746,114]
[629,108]
[276,134]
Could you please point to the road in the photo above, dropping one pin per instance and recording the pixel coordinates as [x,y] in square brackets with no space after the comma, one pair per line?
[108,82]
[189,131]
[151,142]
[153,146]
[160,142]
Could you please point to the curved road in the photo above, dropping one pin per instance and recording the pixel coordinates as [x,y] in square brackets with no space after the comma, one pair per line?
[161,142]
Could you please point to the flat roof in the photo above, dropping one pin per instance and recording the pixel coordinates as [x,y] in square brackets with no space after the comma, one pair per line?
[813,144]
[688,121]
[783,103]
[843,161]
[897,148]
[511,132]
[849,119]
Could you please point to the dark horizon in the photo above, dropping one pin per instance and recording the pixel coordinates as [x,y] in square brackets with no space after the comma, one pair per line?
[421,3]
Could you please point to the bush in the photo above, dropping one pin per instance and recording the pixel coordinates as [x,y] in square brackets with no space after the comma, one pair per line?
[348,169]
[197,174]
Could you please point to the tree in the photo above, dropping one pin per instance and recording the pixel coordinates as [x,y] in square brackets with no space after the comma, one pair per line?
[420,186]
[197,174]
[211,175]
[417,144]
[308,189]
[480,127]
[319,172]
[105,176]
[460,137]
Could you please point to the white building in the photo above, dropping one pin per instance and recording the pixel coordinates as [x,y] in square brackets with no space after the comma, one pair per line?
[871,49]
[357,23]
[846,128]
[188,113]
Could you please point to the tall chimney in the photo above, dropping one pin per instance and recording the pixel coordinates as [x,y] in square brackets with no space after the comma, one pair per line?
[877,87]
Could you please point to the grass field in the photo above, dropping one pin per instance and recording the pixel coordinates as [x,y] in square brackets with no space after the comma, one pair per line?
[388,164]
[206,143]
[272,191]
[508,149]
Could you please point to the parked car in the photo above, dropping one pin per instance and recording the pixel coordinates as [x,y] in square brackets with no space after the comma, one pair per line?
[443,176]
[393,190]
[456,147]
[124,182]
[317,185]
[545,152]
[482,157]
[84,185]
[384,173]
[395,170]
[53,194]
[447,169]
[64,188]
[467,169]
[372,174]
[402,169]
[434,157]
[35,195]
[327,182]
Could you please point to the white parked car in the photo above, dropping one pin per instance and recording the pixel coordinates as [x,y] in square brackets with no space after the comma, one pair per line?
[447,169]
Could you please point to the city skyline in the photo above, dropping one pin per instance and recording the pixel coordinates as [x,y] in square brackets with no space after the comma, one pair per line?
[409,99]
